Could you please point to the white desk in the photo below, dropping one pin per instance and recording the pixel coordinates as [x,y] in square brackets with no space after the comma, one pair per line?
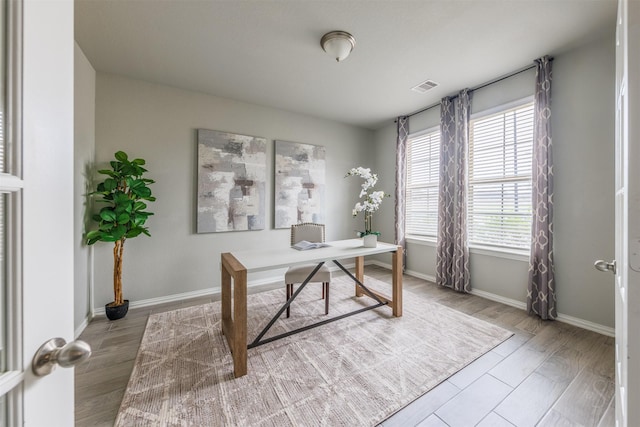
[236,265]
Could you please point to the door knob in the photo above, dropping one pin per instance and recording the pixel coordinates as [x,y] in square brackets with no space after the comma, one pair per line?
[57,351]
[605,266]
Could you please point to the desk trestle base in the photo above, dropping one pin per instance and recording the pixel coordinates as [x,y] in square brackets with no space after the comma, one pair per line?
[380,299]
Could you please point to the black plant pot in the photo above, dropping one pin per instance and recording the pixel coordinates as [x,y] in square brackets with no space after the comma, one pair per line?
[116,312]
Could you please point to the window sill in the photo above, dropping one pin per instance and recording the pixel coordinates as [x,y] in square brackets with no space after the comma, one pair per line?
[512,254]
[423,241]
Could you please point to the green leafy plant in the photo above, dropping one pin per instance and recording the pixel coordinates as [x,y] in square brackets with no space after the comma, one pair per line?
[124,191]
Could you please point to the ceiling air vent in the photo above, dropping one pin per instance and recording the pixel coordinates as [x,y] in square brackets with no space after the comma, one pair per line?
[424,86]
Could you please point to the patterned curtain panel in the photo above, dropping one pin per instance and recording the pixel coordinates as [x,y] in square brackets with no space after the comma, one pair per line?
[541,296]
[401,183]
[452,262]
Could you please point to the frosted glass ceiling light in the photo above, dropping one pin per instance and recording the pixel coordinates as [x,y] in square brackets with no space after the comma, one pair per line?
[338,44]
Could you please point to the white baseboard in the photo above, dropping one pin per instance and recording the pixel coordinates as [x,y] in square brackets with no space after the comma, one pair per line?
[497,298]
[201,293]
[81,327]
[163,300]
[581,323]
[585,324]
[422,276]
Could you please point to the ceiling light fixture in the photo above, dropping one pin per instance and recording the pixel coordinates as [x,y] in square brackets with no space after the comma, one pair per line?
[338,44]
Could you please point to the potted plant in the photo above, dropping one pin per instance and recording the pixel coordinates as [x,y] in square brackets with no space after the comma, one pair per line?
[124,191]
[371,203]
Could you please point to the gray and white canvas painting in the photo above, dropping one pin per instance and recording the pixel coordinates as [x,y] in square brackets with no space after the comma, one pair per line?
[231,182]
[299,183]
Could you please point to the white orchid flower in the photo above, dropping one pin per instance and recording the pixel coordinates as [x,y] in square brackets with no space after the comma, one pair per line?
[376,197]
[372,201]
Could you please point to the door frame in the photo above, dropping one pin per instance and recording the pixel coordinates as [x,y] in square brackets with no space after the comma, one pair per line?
[11,381]
[632,64]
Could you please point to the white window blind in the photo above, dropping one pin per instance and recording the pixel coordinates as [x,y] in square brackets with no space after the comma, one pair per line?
[423,154]
[499,195]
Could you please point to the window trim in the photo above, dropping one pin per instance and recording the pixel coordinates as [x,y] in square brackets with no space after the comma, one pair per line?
[502,107]
[418,134]
[499,251]
[521,255]
[512,254]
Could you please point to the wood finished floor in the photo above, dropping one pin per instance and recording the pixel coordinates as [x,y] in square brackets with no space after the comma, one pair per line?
[547,374]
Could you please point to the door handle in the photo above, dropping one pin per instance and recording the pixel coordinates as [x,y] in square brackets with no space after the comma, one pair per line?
[57,351]
[605,266]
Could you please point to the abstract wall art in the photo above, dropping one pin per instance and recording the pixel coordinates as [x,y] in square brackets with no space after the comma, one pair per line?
[231,182]
[299,183]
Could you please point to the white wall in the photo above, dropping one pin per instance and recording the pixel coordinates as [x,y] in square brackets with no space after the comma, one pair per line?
[158,123]
[84,147]
[583,131]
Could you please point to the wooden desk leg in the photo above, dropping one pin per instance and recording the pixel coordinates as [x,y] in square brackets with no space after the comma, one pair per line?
[359,274]
[396,296]
[234,327]
[240,324]
[225,298]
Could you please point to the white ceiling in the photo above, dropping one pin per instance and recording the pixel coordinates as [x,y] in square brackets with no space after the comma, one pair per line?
[268,52]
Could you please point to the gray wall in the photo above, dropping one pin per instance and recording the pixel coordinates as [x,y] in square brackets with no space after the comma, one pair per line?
[84,147]
[583,132]
[158,123]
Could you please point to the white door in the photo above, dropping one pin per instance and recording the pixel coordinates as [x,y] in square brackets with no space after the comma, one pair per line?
[36,186]
[627,215]
[630,366]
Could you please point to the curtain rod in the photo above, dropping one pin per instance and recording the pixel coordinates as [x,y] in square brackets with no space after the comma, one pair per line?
[490,82]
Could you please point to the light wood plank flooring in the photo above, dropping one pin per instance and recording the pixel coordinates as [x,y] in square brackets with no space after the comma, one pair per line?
[547,374]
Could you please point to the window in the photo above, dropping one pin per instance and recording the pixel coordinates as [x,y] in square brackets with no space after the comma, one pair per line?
[499,194]
[423,163]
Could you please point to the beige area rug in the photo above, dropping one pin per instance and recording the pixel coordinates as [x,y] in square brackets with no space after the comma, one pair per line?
[356,371]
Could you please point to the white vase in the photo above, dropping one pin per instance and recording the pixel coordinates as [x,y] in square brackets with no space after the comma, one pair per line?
[370,240]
